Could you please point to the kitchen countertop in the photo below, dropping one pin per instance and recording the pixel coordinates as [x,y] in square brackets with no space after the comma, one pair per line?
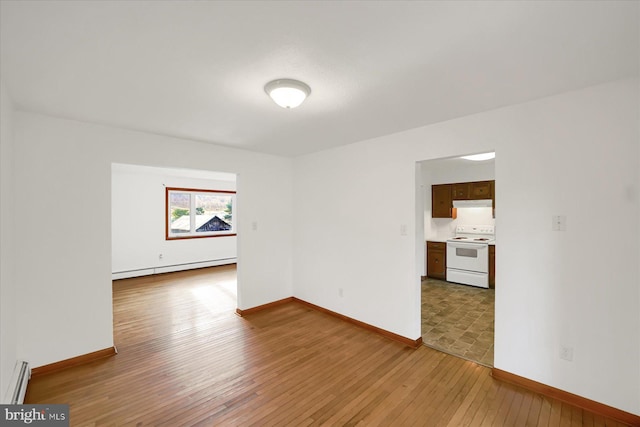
[444,240]
[438,240]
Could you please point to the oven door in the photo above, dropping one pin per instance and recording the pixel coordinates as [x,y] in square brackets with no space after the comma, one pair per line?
[468,277]
[468,256]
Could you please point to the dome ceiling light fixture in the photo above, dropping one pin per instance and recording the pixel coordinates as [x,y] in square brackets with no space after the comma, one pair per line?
[480,157]
[287,93]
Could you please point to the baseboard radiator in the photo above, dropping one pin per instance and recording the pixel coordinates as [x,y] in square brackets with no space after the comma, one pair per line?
[18,385]
[117,275]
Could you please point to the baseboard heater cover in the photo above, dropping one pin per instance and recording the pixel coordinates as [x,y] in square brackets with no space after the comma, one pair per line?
[117,275]
[18,385]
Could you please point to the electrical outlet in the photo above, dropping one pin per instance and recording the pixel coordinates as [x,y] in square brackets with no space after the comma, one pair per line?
[403,229]
[254,226]
[160,256]
[340,293]
[566,353]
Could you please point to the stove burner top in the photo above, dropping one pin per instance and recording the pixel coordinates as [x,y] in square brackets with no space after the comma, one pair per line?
[471,239]
[478,234]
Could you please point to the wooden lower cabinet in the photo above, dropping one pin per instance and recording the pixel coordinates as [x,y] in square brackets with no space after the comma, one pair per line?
[492,266]
[437,260]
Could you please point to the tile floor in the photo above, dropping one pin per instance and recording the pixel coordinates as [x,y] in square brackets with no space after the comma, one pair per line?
[458,319]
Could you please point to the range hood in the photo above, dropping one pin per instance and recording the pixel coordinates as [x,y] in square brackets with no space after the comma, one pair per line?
[481,203]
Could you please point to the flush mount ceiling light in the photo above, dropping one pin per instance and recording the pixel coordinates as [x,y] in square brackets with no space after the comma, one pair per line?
[287,93]
[480,157]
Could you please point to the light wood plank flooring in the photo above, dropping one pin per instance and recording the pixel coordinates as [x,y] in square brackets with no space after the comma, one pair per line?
[185,359]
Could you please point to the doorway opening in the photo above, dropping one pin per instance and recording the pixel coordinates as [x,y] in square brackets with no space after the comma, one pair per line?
[143,252]
[458,306]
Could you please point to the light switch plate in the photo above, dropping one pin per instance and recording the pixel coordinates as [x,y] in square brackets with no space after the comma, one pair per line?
[559,223]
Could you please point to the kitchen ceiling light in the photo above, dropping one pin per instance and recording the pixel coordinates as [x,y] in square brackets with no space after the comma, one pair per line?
[287,93]
[480,157]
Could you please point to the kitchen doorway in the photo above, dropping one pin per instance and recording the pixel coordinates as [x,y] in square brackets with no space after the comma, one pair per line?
[458,315]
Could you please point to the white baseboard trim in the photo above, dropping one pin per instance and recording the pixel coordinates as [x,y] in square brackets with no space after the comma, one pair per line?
[170,268]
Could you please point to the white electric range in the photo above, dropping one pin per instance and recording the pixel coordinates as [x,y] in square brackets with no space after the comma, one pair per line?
[468,255]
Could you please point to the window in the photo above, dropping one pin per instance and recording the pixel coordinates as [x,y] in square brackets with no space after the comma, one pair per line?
[193,213]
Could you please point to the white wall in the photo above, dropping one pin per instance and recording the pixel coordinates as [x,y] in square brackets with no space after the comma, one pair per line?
[448,171]
[63,258]
[138,222]
[8,335]
[575,154]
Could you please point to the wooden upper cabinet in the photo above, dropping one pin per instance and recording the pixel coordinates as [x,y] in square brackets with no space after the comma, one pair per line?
[461,191]
[443,195]
[493,198]
[481,190]
[472,190]
[441,201]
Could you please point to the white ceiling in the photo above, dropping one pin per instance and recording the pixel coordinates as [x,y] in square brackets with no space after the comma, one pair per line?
[196,69]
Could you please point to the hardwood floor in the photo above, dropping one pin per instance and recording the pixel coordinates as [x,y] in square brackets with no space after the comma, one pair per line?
[185,359]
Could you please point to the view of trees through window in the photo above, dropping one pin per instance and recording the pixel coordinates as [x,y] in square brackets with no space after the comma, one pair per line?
[199,213]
